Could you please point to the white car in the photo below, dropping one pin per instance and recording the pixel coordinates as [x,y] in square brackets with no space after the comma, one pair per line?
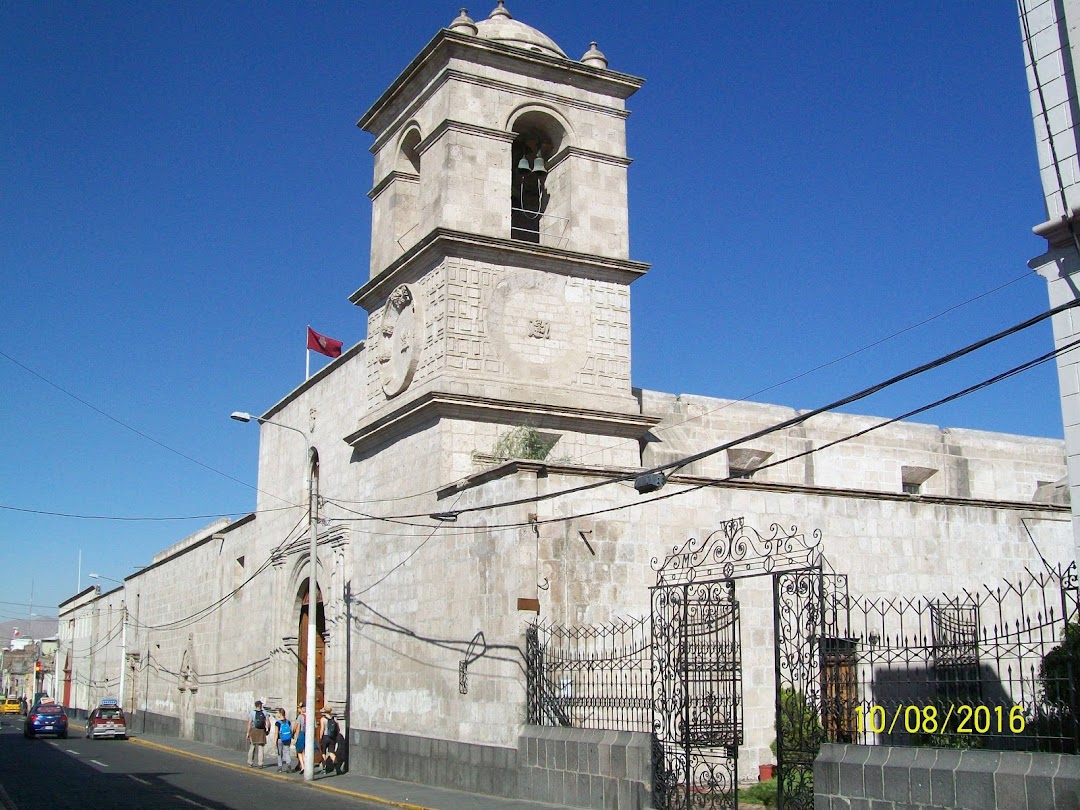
[107,720]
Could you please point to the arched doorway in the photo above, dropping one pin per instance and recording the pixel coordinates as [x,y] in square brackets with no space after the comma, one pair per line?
[320,652]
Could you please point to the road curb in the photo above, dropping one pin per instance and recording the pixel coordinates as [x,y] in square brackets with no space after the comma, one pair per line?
[315,784]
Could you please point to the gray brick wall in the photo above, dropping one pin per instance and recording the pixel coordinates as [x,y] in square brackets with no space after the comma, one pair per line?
[861,777]
[607,770]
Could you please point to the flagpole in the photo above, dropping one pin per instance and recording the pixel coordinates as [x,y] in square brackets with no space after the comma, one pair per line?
[307,357]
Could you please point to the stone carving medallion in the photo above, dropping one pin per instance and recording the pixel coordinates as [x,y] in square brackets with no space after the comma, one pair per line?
[539,325]
[399,338]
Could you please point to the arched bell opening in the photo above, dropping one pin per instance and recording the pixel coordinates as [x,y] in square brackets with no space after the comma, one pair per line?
[538,139]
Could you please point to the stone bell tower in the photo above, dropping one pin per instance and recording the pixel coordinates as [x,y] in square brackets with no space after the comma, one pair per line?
[500,274]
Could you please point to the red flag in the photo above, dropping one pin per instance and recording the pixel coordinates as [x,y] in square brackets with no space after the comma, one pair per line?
[322,344]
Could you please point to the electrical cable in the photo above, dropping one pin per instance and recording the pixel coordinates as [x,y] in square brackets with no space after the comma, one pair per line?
[674,466]
[138,432]
[145,518]
[745,398]
[204,612]
[693,488]
[815,369]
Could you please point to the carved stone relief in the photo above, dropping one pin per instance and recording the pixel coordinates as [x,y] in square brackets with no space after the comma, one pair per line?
[399,336]
[539,325]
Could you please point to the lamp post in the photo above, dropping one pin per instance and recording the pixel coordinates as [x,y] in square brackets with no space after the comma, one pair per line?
[313,529]
[123,636]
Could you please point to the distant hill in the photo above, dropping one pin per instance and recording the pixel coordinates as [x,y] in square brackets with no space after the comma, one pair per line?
[36,628]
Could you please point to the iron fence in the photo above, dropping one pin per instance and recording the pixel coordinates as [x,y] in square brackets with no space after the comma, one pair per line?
[994,668]
[590,676]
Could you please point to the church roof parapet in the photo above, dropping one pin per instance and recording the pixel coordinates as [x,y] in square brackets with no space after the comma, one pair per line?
[449,44]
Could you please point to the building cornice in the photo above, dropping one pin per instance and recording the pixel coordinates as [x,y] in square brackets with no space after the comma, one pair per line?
[441,243]
[1061,231]
[380,187]
[449,74]
[616,474]
[450,125]
[440,404]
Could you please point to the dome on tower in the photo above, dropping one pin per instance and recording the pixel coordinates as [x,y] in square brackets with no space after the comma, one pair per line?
[501,27]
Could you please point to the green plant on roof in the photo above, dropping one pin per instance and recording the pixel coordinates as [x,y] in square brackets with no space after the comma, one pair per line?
[523,442]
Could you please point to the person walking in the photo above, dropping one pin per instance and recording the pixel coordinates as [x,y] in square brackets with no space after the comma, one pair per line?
[299,732]
[328,734]
[283,736]
[257,726]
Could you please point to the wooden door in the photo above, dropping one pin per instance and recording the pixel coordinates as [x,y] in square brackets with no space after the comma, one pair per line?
[320,659]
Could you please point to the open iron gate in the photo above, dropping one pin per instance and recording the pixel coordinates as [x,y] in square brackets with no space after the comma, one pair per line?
[697,663]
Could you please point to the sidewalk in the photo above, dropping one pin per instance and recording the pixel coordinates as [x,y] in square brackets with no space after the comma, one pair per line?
[390,792]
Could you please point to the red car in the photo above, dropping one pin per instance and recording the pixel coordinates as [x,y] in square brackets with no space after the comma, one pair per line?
[107,720]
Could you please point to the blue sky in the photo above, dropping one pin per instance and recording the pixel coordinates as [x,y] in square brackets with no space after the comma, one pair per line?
[184,189]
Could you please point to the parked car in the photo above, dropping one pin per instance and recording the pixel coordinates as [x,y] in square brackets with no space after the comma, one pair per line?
[46,718]
[107,720]
[11,705]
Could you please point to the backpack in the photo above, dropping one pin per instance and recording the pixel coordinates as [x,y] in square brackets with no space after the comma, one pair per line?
[284,731]
[260,720]
[331,728]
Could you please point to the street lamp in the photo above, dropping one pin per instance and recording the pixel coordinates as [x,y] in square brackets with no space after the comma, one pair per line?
[313,528]
[123,636]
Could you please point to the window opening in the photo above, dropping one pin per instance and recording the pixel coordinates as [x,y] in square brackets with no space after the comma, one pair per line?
[744,462]
[912,478]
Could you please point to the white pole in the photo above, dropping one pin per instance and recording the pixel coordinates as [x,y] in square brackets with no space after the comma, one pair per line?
[307,356]
[123,652]
[311,722]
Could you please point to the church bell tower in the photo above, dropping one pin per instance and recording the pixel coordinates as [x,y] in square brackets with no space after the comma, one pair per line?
[499,287]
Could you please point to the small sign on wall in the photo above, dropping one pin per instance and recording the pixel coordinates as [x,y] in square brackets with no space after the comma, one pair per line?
[525,603]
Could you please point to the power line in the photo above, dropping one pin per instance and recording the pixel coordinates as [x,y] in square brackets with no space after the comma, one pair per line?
[745,398]
[644,501]
[824,365]
[678,464]
[204,612]
[674,466]
[143,518]
[138,432]
[121,423]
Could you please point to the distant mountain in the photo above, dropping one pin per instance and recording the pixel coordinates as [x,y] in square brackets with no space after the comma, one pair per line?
[35,628]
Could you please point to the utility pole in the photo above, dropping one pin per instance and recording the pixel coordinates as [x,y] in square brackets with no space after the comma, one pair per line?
[123,651]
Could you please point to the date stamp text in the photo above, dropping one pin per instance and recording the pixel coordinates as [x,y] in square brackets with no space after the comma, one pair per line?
[959,718]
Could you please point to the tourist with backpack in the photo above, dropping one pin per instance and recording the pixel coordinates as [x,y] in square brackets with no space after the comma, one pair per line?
[257,726]
[328,734]
[284,736]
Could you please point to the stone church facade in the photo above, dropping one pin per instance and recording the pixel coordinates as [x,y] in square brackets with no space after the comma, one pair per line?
[499,303]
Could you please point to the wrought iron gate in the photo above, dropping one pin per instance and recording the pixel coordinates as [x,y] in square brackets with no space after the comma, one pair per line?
[697,660]
[697,682]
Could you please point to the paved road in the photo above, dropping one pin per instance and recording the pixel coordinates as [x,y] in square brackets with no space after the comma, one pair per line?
[89,774]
